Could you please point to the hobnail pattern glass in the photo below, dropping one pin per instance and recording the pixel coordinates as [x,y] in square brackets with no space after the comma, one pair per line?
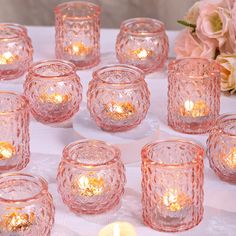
[14,135]
[193,94]
[221,147]
[142,42]
[16,52]
[91,177]
[54,91]
[78,33]
[118,97]
[172,185]
[26,206]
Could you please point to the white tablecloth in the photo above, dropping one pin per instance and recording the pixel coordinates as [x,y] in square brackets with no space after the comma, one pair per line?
[47,144]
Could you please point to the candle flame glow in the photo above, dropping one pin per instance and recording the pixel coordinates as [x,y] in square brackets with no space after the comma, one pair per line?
[7,151]
[116,231]
[54,98]
[78,49]
[230,159]
[192,109]
[142,53]
[7,58]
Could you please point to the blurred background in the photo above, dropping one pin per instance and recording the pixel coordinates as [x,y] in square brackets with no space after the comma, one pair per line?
[40,12]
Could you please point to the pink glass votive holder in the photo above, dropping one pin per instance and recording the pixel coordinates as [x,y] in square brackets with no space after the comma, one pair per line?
[118,97]
[16,52]
[221,147]
[172,196]
[193,94]
[54,91]
[14,135]
[142,42]
[91,177]
[78,33]
[26,206]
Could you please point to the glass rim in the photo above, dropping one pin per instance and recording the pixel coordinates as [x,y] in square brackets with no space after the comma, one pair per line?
[97,10]
[66,153]
[40,181]
[19,27]
[126,23]
[173,63]
[122,67]
[145,153]
[36,65]
[19,97]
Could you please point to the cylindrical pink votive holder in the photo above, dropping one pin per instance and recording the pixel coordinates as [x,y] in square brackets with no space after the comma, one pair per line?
[78,33]
[16,51]
[172,185]
[221,147]
[91,177]
[118,97]
[193,94]
[54,91]
[26,206]
[14,135]
[142,42]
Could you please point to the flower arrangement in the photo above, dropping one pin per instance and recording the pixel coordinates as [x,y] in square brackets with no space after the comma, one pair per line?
[211,32]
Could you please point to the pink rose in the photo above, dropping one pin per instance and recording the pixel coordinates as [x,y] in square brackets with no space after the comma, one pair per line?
[218,3]
[187,44]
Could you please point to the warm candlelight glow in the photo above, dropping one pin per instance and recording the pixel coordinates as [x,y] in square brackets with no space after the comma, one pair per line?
[192,109]
[78,49]
[87,185]
[118,229]
[142,53]
[16,222]
[7,151]
[54,98]
[175,201]
[7,58]
[120,110]
[230,159]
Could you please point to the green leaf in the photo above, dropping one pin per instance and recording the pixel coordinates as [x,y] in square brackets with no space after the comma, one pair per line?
[187,24]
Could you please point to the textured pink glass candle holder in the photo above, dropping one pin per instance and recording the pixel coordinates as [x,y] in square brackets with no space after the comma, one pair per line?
[54,91]
[14,135]
[221,147]
[118,97]
[26,206]
[172,196]
[78,33]
[142,42]
[91,177]
[16,52]
[193,94]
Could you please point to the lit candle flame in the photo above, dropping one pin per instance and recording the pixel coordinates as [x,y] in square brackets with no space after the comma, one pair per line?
[230,159]
[7,58]
[78,49]
[54,98]
[120,110]
[175,201]
[142,53]
[116,231]
[7,151]
[88,185]
[192,109]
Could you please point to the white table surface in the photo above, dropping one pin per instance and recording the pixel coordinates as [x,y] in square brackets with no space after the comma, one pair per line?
[47,144]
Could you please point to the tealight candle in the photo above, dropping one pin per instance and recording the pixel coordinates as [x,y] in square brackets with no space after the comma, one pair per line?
[118,229]
[7,151]
[193,94]
[54,91]
[7,58]
[221,147]
[142,42]
[118,98]
[172,199]
[78,33]
[91,177]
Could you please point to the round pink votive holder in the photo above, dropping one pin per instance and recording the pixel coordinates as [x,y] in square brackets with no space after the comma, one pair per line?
[14,135]
[91,177]
[193,94]
[16,51]
[78,33]
[54,91]
[118,98]
[221,147]
[172,196]
[142,42]
[26,206]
